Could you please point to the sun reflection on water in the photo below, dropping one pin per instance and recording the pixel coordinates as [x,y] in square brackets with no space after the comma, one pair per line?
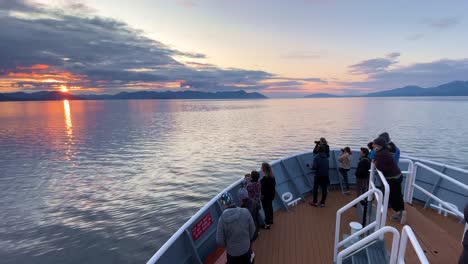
[69,128]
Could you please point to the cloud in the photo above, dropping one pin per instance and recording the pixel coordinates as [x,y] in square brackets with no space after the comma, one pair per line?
[374,65]
[44,48]
[38,44]
[443,23]
[425,74]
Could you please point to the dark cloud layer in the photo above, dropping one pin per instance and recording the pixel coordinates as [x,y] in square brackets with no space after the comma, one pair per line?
[106,53]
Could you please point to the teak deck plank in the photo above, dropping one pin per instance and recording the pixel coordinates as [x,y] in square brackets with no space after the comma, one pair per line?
[306,234]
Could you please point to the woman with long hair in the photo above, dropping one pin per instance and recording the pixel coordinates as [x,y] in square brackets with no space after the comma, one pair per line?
[268,191]
[345,165]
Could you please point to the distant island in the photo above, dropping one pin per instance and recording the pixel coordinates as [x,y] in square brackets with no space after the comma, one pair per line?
[56,95]
[321,95]
[456,88]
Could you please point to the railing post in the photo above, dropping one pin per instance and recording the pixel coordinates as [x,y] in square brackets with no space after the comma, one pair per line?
[407,233]
[371,179]
[435,187]
[409,175]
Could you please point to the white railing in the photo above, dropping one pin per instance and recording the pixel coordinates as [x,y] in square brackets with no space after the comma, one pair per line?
[376,224]
[410,166]
[407,233]
[409,174]
[376,235]
[386,193]
[411,182]
[437,164]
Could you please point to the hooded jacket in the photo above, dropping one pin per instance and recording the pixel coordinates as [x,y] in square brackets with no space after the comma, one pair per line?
[320,167]
[385,163]
[235,230]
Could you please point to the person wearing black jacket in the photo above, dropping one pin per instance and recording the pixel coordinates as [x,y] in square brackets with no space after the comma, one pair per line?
[268,191]
[322,142]
[321,178]
[362,172]
[385,163]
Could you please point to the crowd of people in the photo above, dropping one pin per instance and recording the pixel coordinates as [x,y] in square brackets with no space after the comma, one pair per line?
[238,227]
[382,152]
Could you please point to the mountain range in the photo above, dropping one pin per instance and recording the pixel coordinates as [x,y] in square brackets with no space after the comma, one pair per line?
[55,95]
[456,88]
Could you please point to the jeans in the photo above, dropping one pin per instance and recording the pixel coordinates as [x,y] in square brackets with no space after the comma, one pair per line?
[344,173]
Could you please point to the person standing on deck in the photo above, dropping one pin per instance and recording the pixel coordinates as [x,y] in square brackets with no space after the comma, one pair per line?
[391,146]
[362,172]
[268,192]
[322,142]
[321,178]
[464,255]
[252,206]
[235,230]
[254,188]
[345,159]
[385,163]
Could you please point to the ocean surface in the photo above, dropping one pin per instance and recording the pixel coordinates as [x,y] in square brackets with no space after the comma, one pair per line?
[110,181]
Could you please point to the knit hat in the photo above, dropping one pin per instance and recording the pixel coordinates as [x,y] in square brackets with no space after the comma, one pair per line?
[242,194]
[385,136]
[380,141]
[226,199]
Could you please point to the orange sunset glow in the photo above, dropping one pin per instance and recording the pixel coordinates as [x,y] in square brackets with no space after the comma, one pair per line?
[63,88]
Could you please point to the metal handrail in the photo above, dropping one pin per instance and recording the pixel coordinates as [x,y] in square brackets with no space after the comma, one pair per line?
[386,193]
[412,184]
[370,238]
[407,233]
[447,205]
[376,224]
[444,176]
[437,164]
[410,165]
[409,174]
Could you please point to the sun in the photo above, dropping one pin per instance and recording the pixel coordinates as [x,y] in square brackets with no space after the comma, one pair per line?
[63,88]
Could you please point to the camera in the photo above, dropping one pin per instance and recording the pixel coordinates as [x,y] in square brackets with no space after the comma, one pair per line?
[317,142]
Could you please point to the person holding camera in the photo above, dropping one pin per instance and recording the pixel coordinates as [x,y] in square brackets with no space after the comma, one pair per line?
[345,165]
[321,178]
[322,142]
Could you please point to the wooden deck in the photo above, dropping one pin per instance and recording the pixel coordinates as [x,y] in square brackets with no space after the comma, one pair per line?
[306,234]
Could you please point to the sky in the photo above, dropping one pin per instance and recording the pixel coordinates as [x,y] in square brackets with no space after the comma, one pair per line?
[279,48]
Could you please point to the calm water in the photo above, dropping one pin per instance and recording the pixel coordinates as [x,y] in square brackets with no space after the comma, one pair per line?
[110,181]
